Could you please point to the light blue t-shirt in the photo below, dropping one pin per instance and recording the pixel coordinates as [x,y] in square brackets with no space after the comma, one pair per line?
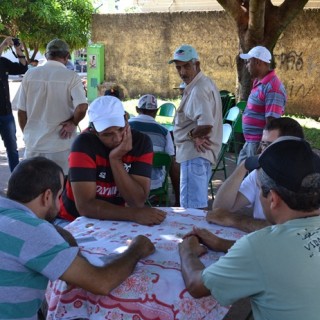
[277,267]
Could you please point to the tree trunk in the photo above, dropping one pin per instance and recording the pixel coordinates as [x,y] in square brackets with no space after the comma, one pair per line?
[258,22]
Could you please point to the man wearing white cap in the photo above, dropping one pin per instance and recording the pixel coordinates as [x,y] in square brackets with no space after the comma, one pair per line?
[109,169]
[51,101]
[266,101]
[197,128]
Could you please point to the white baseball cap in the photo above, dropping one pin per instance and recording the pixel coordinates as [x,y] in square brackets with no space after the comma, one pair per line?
[258,52]
[184,53]
[105,112]
[148,101]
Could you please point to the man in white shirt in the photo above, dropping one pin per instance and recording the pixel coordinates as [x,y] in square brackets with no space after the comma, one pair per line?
[239,191]
[51,102]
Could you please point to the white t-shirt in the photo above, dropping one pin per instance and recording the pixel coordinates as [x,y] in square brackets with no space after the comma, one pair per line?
[49,94]
[251,190]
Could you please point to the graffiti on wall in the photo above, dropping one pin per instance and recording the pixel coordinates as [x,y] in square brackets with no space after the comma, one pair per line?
[289,61]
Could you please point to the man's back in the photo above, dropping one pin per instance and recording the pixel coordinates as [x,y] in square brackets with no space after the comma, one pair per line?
[273,266]
[49,95]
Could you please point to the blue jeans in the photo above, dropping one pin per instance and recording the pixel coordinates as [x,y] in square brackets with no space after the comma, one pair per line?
[194,178]
[8,135]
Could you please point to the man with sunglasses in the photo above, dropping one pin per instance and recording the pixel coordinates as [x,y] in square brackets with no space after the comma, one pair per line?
[51,101]
[110,169]
[277,267]
[239,191]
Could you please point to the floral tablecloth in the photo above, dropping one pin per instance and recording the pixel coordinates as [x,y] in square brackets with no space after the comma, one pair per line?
[156,289]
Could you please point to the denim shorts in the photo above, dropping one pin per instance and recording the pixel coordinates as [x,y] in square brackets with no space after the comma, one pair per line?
[194,179]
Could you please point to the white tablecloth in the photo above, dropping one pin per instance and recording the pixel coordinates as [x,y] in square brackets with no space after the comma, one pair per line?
[156,289]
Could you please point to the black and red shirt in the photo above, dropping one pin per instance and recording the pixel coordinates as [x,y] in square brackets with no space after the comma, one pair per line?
[89,161]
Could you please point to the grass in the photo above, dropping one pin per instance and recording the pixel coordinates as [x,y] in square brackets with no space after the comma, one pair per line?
[310,126]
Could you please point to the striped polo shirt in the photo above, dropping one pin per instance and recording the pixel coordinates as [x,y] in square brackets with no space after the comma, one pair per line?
[267,99]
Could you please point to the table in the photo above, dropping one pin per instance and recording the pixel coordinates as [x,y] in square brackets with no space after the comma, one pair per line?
[156,289]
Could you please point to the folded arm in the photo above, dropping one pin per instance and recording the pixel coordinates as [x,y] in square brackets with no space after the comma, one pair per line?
[89,206]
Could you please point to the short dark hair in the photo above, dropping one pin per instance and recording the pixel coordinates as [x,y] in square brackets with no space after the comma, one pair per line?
[286,126]
[306,199]
[52,55]
[33,176]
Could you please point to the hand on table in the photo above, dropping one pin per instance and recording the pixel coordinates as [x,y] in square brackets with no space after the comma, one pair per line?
[148,216]
[221,217]
[143,246]
[208,239]
[191,244]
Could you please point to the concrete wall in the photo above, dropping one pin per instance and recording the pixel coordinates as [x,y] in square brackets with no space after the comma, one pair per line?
[138,46]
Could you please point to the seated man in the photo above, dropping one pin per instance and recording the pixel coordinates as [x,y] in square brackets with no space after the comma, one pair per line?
[276,267]
[32,251]
[161,138]
[237,192]
[109,169]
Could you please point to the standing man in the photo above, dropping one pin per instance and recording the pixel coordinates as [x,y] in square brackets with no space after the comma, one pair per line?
[266,101]
[7,123]
[51,103]
[277,267]
[197,128]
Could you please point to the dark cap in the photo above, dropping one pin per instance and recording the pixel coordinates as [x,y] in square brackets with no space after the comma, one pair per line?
[56,45]
[288,160]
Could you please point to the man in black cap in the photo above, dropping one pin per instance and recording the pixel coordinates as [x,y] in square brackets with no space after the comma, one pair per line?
[278,266]
[51,101]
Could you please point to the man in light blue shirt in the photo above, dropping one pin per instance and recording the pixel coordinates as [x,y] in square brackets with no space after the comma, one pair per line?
[276,267]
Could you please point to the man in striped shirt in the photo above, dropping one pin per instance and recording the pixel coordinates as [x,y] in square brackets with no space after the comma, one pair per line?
[32,251]
[266,101]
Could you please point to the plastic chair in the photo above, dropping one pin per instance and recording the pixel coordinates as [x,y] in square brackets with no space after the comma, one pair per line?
[221,163]
[160,160]
[167,109]
[238,132]
[228,100]
[232,118]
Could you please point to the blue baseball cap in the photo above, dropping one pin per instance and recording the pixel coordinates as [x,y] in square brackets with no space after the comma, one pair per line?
[184,53]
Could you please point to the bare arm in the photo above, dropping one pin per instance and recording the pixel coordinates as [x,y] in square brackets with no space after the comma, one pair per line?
[70,125]
[210,240]
[228,196]
[87,205]
[22,119]
[101,280]
[192,267]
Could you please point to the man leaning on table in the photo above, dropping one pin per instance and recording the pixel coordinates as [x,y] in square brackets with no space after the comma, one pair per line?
[109,169]
[241,192]
[32,251]
[276,267]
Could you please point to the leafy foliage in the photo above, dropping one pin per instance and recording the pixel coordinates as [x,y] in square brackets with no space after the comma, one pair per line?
[36,22]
